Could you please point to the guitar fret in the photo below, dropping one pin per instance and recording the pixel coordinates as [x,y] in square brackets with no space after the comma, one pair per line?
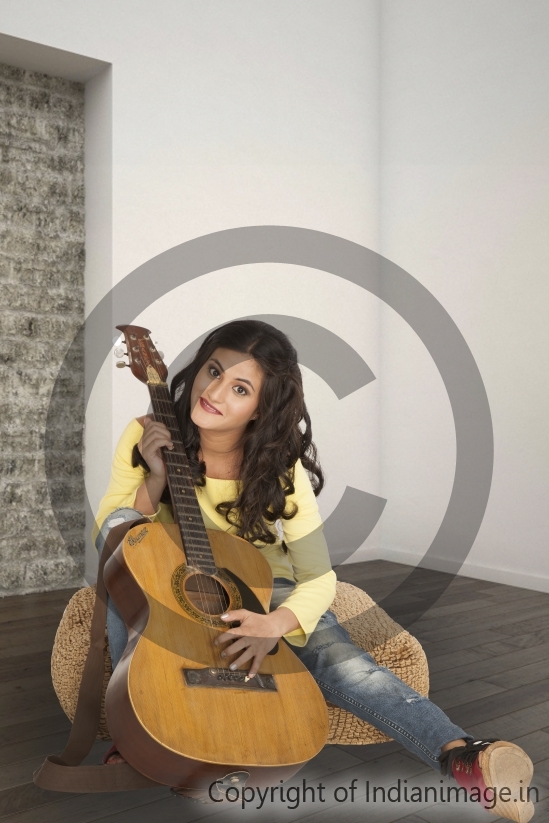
[187,511]
[200,558]
[197,540]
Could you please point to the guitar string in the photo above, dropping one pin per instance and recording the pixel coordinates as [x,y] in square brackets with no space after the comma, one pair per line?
[191,503]
[181,458]
[167,417]
[165,409]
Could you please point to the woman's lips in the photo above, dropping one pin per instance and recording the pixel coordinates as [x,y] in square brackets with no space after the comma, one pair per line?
[206,406]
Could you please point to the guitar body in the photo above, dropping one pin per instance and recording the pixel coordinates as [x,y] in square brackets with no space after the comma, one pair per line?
[175,711]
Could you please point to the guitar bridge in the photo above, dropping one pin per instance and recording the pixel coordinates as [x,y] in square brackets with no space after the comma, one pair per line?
[222,678]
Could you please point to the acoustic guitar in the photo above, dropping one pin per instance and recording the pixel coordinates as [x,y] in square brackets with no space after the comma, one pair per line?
[175,714]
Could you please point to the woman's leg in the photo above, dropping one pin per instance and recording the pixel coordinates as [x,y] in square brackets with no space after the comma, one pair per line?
[116,628]
[350,678]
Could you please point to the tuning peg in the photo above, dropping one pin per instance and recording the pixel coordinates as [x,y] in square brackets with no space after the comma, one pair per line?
[119,352]
[121,365]
[160,353]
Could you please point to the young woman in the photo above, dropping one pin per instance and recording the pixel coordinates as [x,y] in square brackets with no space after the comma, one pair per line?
[239,405]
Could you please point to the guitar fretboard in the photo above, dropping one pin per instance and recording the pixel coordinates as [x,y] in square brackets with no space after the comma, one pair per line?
[186,508]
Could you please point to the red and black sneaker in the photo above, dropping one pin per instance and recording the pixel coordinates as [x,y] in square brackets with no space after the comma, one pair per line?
[494,773]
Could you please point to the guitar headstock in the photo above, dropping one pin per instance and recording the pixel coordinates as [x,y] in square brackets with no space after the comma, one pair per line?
[144,360]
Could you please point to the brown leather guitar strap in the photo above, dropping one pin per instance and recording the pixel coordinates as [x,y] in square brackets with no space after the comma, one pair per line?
[63,773]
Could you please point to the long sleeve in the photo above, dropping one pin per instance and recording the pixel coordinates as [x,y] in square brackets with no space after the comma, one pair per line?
[310,560]
[125,479]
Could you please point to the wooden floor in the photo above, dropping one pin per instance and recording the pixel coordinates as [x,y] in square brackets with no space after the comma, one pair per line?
[488,649]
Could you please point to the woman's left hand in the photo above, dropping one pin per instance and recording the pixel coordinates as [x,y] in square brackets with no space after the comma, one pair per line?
[256,635]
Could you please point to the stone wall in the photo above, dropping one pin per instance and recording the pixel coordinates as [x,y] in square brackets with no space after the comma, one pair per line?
[41,309]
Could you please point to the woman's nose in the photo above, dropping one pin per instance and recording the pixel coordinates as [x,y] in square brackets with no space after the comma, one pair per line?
[215,391]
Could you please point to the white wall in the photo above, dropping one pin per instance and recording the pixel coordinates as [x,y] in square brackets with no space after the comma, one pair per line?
[464,208]
[416,129]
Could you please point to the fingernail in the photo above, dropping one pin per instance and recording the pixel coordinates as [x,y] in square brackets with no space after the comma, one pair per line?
[222,654]
[232,667]
[224,616]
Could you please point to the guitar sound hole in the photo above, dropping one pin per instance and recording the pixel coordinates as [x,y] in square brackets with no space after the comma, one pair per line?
[206,594]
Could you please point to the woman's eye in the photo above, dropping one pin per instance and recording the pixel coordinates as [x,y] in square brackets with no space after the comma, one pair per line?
[213,369]
[242,391]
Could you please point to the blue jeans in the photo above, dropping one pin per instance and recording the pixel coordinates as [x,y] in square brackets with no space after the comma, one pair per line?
[347,676]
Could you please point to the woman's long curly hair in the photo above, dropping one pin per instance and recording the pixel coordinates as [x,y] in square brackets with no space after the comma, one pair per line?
[271,443]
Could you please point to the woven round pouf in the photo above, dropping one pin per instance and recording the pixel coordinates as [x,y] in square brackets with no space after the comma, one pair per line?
[390,645]
[70,649]
[368,625]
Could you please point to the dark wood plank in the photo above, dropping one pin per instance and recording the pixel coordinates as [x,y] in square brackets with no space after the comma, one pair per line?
[504,646]
[468,617]
[37,747]
[372,751]
[29,624]
[23,642]
[449,661]
[17,705]
[535,743]
[480,711]
[31,729]
[35,711]
[521,676]
[28,796]
[462,597]
[26,684]
[39,806]
[505,664]
[498,618]
[24,665]
[360,575]
[538,624]
[18,772]
[169,810]
[466,693]
[460,607]
[514,724]
[511,594]
[27,601]
[433,648]
[38,612]
[525,641]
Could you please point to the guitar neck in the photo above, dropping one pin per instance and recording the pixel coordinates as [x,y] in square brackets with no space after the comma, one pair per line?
[186,508]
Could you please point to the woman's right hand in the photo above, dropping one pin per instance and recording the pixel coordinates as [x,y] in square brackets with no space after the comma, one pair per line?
[155,435]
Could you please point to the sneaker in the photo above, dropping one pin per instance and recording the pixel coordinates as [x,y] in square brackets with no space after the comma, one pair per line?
[488,765]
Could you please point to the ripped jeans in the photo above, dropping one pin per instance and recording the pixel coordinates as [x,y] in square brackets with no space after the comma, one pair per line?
[347,676]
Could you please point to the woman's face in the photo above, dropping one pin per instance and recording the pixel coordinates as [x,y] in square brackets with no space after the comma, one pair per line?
[225,393]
